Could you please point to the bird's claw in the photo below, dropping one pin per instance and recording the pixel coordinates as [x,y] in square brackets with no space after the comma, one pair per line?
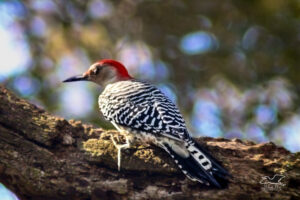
[120,147]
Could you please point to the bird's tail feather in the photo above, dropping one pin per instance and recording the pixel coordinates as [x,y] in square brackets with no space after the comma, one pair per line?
[199,165]
[217,168]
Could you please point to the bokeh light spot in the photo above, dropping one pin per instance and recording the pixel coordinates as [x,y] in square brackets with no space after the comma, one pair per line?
[264,114]
[137,58]
[100,9]
[6,194]
[76,103]
[250,38]
[45,6]
[206,118]
[162,71]
[198,43]
[288,133]
[26,86]
[14,50]
[255,133]
[38,27]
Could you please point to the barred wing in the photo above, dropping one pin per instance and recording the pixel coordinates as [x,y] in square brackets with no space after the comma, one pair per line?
[143,107]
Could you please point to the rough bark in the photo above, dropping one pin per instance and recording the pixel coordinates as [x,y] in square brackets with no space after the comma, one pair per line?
[47,157]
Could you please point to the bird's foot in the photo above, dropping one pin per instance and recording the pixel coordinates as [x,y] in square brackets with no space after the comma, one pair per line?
[120,147]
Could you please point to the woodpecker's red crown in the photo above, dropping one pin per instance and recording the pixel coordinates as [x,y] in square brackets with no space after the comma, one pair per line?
[122,71]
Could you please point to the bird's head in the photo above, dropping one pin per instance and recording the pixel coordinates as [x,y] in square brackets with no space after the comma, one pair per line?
[103,72]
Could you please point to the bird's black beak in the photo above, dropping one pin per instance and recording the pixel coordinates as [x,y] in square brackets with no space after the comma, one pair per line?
[76,78]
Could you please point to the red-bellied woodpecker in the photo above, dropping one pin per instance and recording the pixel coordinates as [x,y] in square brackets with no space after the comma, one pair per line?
[143,113]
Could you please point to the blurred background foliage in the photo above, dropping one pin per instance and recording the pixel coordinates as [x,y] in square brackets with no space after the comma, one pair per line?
[232,66]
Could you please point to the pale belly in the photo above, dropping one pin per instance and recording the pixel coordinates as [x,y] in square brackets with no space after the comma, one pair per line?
[137,136]
[147,138]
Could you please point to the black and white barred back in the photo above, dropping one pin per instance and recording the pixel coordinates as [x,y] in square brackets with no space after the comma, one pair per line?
[140,108]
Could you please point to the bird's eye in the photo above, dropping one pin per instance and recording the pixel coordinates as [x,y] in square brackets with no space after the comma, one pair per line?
[95,70]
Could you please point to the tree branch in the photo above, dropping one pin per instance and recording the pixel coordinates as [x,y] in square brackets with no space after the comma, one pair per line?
[47,157]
